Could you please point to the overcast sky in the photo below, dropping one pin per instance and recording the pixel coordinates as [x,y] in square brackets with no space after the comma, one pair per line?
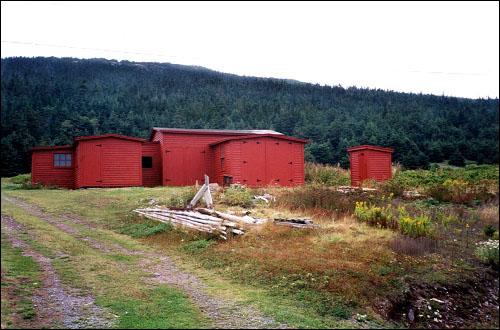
[439,48]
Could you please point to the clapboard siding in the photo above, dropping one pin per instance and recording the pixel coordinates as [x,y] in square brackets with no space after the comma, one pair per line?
[151,177]
[109,162]
[44,172]
[370,162]
[260,161]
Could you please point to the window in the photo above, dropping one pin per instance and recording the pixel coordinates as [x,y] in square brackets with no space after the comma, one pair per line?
[147,162]
[62,160]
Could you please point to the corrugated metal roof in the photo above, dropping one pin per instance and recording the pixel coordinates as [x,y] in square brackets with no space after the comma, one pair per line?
[216,131]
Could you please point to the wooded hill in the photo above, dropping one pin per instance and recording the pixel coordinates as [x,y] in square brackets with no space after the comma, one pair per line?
[47,101]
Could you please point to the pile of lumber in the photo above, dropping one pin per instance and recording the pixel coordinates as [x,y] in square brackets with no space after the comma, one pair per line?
[296,222]
[350,189]
[201,219]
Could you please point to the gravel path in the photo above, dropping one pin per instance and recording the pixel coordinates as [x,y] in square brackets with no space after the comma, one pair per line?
[224,312]
[54,303]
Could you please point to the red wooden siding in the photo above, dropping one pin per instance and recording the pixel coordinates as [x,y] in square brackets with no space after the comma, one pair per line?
[179,157]
[108,162]
[186,157]
[370,162]
[44,172]
[260,161]
[151,177]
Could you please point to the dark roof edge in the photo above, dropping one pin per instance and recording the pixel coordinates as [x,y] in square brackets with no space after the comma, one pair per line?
[116,136]
[42,148]
[370,147]
[246,137]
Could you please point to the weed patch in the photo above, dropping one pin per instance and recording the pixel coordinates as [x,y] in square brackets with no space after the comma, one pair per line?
[236,195]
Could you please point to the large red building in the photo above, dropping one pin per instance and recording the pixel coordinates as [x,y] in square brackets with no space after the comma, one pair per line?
[172,157]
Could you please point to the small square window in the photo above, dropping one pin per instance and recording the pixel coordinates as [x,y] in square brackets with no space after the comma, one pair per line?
[147,162]
[62,160]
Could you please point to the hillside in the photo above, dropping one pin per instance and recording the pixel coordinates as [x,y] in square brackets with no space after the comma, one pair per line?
[49,100]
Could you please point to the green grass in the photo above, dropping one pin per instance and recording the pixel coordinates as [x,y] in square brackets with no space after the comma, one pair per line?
[22,275]
[145,229]
[170,310]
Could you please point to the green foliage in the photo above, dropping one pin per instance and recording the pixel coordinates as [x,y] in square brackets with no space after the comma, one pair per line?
[181,198]
[459,191]
[487,252]
[489,231]
[383,216]
[197,246]
[236,195]
[417,226]
[146,229]
[458,185]
[326,174]
[48,101]
[374,215]
[21,179]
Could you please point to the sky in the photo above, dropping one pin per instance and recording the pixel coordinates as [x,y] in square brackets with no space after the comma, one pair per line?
[449,48]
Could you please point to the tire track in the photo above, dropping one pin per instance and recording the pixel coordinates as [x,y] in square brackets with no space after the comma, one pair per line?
[55,303]
[224,312]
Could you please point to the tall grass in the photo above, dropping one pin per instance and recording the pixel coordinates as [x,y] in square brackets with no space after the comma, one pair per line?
[326,200]
[326,174]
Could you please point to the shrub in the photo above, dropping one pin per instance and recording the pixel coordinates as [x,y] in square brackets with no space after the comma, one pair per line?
[417,226]
[459,191]
[489,230]
[374,215]
[181,198]
[21,179]
[369,183]
[487,252]
[237,195]
[326,174]
[393,186]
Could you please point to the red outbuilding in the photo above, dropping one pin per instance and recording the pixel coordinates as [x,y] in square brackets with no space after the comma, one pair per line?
[173,157]
[370,162]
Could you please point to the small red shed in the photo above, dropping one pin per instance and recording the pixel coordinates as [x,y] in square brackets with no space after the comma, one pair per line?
[109,160]
[370,162]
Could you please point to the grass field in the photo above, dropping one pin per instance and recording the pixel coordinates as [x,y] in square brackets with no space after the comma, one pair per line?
[349,273]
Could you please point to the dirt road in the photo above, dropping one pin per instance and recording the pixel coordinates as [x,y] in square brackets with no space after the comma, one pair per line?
[77,310]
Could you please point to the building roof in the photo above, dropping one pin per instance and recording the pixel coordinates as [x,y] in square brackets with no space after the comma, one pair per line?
[117,136]
[213,131]
[246,137]
[42,148]
[369,147]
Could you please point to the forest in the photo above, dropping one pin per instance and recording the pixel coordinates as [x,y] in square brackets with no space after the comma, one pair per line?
[48,101]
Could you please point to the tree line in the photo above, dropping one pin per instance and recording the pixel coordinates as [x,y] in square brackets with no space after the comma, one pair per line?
[48,101]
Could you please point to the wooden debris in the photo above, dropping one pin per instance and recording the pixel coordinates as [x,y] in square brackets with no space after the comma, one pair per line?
[205,193]
[202,219]
[221,224]
[295,222]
